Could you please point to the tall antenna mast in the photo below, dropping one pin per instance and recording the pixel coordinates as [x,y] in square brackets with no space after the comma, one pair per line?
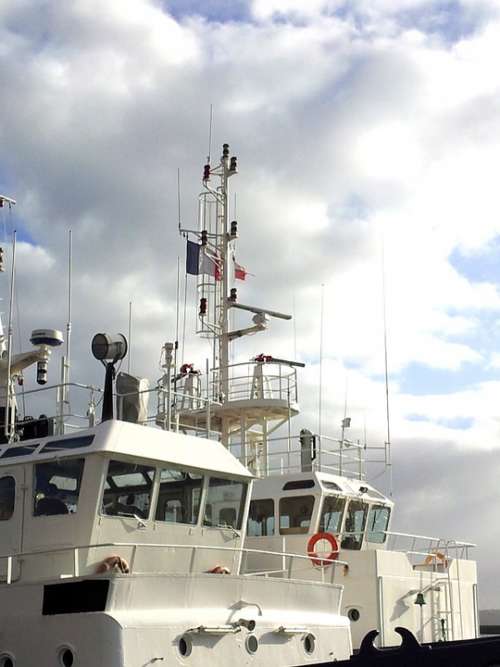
[129,356]
[63,390]
[9,412]
[210,124]
[320,397]
[388,461]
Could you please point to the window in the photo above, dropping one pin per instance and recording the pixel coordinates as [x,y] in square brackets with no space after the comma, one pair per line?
[128,488]
[295,514]
[68,443]
[23,450]
[354,525]
[225,503]
[377,524]
[179,497]
[57,487]
[331,485]
[331,514]
[7,497]
[261,518]
[299,484]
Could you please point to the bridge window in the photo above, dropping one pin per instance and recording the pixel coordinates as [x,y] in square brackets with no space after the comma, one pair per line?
[261,518]
[57,487]
[354,525]
[7,497]
[225,503]
[331,514]
[295,514]
[377,524]
[179,497]
[128,489]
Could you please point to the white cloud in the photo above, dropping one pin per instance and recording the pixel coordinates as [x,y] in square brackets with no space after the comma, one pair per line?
[347,131]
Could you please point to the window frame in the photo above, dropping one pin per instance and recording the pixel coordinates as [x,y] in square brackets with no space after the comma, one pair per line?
[122,491]
[324,499]
[244,501]
[291,530]
[156,498]
[349,537]
[374,508]
[11,476]
[34,485]
[273,516]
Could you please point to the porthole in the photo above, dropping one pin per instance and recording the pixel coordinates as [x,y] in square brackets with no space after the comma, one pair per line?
[353,614]
[185,646]
[252,644]
[66,657]
[309,644]
[6,661]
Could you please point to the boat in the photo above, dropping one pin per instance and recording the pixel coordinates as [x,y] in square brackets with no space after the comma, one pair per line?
[311,496]
[121,539]
[123,536]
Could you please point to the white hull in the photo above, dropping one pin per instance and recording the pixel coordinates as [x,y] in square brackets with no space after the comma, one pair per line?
[146,616]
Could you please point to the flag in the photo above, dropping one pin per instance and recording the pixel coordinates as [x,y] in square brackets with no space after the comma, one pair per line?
[192,258]
[201,260]
[210,264]
[240,273]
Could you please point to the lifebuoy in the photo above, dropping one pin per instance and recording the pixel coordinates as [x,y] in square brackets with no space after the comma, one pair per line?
[113,563]
[433,558]
[219,569]
[333,555]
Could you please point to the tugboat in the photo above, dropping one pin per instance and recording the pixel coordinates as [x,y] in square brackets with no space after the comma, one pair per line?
[311,496]
[123,541]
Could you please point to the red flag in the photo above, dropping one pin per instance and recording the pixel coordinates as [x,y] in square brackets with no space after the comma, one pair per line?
[240,273]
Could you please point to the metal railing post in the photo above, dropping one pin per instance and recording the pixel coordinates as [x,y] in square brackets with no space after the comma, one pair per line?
[76,562]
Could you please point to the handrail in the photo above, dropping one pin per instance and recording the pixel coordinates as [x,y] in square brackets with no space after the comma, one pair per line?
[135,545]
[446,541]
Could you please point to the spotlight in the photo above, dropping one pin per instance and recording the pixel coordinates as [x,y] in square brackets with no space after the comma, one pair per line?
[109,348]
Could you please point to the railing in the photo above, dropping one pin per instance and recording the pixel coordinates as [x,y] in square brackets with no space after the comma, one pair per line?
[80,410]
[287,569]
[437,549]
[252,381]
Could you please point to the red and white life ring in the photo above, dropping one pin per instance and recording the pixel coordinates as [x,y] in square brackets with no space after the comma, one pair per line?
[219,569]
[113,564]
[325,560]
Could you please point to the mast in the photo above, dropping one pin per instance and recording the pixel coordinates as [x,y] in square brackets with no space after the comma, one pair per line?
[224,310]
[248,409]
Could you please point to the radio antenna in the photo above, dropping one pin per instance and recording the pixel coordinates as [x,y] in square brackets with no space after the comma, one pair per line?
[9,412]
[179,198]
[68,325]
[388,461]
[320,397]
[210,124]
[129,356]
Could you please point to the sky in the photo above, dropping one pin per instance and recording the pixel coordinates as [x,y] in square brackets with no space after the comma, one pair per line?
[368,146]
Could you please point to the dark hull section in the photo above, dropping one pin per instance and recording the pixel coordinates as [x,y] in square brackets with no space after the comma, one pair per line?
[482,652]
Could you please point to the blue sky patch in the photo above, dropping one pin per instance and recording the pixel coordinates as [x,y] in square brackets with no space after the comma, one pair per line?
[420,380]
[479,267]
[218,11]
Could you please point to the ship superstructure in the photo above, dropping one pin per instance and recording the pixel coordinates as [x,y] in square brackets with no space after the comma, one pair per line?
[311,496]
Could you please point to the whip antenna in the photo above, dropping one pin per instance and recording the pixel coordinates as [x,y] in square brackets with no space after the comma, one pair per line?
[388,461]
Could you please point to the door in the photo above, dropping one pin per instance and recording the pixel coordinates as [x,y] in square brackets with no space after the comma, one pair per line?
[12,490]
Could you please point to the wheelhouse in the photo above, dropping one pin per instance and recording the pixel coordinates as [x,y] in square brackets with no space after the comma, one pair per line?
[118,483]
[290,509]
